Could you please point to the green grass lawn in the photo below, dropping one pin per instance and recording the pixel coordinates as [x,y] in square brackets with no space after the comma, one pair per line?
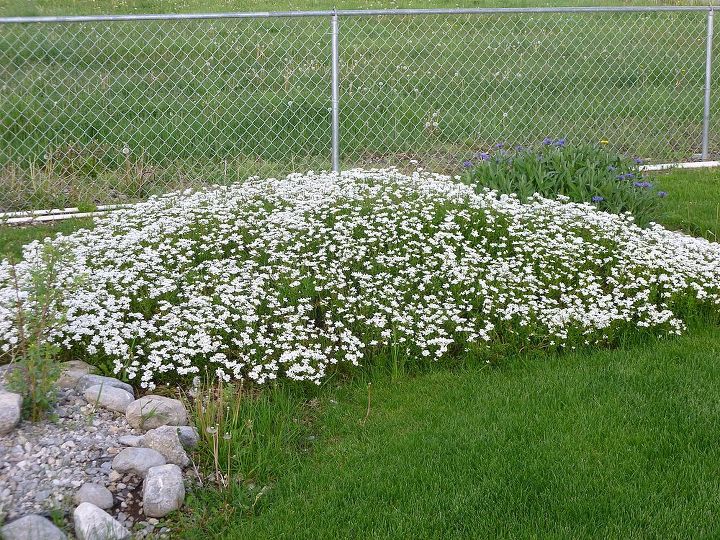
[216,101]
[694,202]
[610,444]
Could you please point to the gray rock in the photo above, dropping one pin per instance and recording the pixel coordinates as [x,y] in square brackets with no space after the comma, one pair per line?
[110,397]
[150,412]
[189,436]
[10,411]
[163,490]
[93,523]
[166,440]
[31,527]
[41,496]
[137,460]
[71,372]
[131,440]
[86,381]
[96,494]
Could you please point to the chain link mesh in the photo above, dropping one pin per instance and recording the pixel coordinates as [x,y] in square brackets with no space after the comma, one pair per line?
[439,89]
[113,112]
[105,112]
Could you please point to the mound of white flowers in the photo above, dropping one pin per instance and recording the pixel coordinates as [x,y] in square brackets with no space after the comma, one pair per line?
[285,277]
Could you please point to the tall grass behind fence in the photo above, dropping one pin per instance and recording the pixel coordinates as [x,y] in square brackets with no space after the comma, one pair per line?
[113,111]
[124,109]
[442,88]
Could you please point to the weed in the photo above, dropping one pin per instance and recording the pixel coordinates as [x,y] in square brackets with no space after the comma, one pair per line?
[38,314]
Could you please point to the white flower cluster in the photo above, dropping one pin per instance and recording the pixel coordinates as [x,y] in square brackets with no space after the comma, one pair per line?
[285,277]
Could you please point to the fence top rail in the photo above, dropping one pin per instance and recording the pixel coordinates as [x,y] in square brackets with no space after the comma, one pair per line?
[349,13]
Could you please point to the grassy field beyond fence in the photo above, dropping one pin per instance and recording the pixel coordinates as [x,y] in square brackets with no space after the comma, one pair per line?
[104,112]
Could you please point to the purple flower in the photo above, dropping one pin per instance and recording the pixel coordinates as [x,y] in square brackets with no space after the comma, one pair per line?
[638,161]
[467,164]
[642,184]
[597,198]
[662,194]
[560,143]
[499,145]
[519,148]
[629,175]
[484,156]
[547,140]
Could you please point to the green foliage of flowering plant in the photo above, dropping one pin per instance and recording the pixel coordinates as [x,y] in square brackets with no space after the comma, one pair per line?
[296,278]
[589,173]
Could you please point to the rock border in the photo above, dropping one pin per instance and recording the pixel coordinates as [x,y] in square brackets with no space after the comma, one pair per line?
[157,457]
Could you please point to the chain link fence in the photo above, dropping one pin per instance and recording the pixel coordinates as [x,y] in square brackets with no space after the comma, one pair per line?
[99,110]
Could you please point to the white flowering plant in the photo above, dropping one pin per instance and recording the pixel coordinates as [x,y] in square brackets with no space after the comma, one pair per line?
[294,277]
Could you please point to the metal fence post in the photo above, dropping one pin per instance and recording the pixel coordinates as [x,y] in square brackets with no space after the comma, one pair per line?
[708,78]
[335,95]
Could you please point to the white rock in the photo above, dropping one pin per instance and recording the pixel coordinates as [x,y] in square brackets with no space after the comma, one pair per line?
[137,460]
[110,397]
[96,494]
[150,412]
[166,440]
[93,523]
[131,440]
[115,476]
[31,527]
[71,372]
[86,381]
[10,411]
[163,490]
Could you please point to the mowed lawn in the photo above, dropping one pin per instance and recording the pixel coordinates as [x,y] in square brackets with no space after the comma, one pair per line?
[693,203]
[592,444]
[612,444]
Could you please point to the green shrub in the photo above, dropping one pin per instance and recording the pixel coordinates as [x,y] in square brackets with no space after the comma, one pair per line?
[589,173]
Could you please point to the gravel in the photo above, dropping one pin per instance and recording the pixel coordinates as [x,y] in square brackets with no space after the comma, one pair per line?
[44,465]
